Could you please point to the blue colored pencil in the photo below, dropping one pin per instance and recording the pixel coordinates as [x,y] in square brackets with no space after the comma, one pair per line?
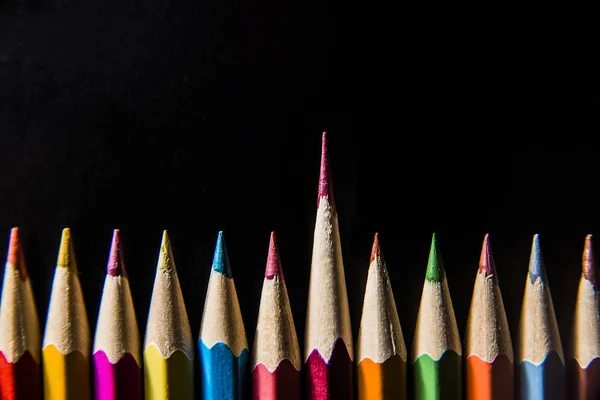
[541,366]
[224,354]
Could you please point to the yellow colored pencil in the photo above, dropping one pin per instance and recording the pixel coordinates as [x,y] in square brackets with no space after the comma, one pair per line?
[168,348]
[67,342]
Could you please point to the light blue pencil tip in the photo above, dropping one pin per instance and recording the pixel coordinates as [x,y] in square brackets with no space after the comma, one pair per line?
[221,259]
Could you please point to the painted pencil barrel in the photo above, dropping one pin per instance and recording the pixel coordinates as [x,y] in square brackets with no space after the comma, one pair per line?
[223,375]
[584,383]
[66,377]
[171,378]
[439,379]
[20,380]
[333,379]
[545,381]
[283,383]
[121,380]
[489,381]
[383,381]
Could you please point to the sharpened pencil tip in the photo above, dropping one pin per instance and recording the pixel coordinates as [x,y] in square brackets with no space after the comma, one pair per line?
[376,249]
[536,261]
[435,267]
[116,264]
[221,258]
[165,259]
[486,261]
[325,185]
[589,262]
[15,254]
[273,261]
[66,255]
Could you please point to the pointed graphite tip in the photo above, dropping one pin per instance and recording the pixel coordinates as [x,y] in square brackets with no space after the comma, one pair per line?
[15,254]
[116,263]
[536,261]
[273,261]
[435,267]
[66,255]
[588,262]
[165,259]
[376,249]
[486,261]
[325,185]
[221,259]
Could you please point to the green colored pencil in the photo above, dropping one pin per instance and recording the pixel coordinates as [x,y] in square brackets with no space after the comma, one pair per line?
[437,350]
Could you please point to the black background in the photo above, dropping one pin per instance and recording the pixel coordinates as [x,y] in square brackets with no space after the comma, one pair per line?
[204,115]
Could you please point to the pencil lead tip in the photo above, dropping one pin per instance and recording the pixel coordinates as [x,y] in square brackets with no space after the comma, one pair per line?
[165,259]
[435,267]
[376,249]
[486,261]
[273,261]
[221,258]
[66,255]
[589,262]
[536,261]
[325,184]
[116,263]
[15,254]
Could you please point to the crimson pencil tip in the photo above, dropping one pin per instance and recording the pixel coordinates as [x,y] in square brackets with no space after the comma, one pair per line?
[588,262]
[325,184]
[376,249]
[273,261]
[116,264]
[486,261]
[15,254]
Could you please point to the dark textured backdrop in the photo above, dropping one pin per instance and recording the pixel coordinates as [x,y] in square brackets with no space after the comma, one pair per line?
[202,115]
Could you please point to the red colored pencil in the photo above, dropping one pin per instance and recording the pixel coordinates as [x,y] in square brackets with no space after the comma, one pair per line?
[329,351]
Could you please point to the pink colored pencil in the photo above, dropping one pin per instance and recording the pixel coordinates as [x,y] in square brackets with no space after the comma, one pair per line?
[117,361]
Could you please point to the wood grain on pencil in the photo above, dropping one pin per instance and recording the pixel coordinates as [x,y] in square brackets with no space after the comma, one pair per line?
[117,359]
[584,363]
[168,345]
[488,348]
[276,358]
[19,329]
[67,342]
[328,346]
[380,350]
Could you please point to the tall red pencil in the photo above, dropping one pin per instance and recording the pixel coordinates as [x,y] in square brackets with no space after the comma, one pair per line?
[275,354]
[329,350]
[20,339]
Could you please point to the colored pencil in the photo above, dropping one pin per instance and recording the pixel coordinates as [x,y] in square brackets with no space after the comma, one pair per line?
[584,366]
[437,350]
[328,346]
[67,342]
[224,354]
[488,347]
[19,329]
[380,350]
[168,346]
[117,359]
[541,365]
[276,354]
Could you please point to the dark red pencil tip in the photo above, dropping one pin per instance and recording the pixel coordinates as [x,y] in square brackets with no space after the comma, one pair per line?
[15,254]
[325,185]
[116,265]
[376,250]
[273,262]
[588,263]
[486,261]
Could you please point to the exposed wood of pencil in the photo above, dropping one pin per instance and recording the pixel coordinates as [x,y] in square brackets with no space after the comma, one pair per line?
[584,366]
[67,342]
[224,354]
[488,349]
[328,346]
[276,359]
[540,349]
[380,350]
[437,350]
[19,329]
[117,359]
[168,346]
